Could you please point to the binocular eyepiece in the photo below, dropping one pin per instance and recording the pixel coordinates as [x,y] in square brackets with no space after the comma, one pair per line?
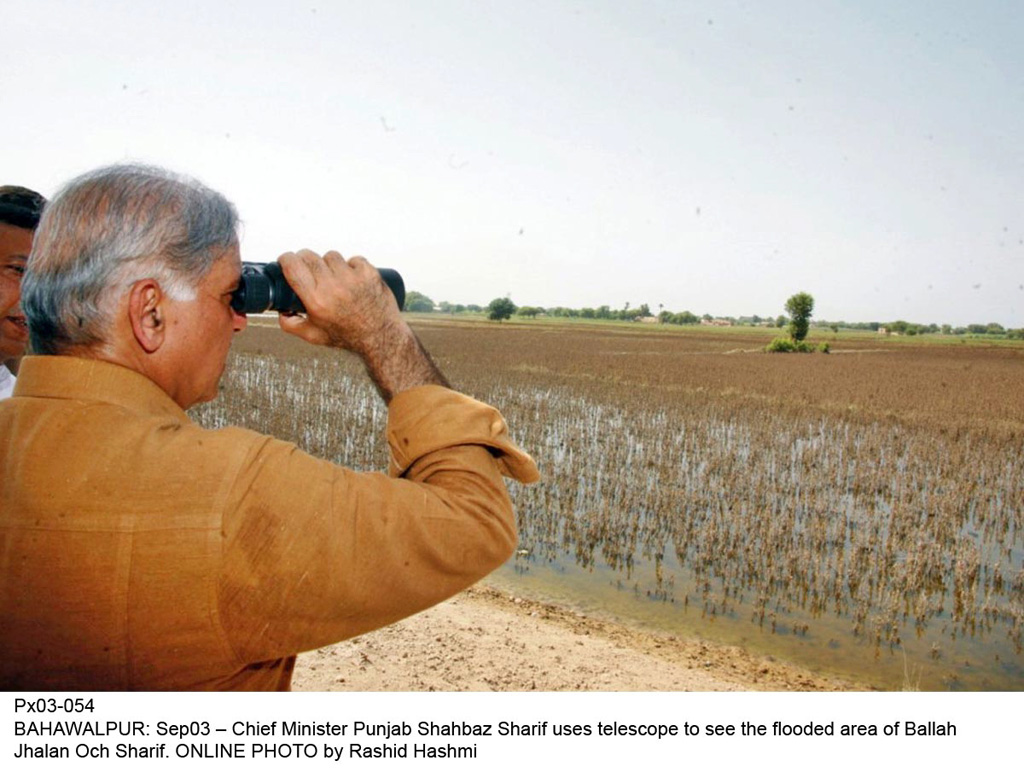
[264,288]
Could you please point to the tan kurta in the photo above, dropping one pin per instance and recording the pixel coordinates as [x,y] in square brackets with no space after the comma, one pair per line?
[140,551]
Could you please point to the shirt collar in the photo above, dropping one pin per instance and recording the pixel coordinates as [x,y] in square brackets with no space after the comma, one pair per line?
[7,381]
[91,380]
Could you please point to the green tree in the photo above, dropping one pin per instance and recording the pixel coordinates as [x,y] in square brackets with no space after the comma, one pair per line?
[530,311]
[417,301]
[500,308]
[799,307]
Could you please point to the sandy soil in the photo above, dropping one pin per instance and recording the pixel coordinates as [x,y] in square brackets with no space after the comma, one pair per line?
[485,640]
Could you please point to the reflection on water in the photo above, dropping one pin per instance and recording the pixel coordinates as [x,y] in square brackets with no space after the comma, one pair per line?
[825,644]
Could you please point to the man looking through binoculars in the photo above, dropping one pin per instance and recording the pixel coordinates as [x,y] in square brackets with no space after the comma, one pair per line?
[144,552]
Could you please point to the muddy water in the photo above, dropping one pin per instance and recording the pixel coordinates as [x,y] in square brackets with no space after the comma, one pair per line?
[935,661]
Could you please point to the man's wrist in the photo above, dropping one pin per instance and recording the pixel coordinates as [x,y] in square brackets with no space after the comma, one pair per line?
[399,362]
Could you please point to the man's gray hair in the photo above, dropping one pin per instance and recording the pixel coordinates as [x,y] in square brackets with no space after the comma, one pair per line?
[108,229]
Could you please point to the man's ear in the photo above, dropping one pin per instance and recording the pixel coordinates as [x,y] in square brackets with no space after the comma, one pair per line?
[146,313]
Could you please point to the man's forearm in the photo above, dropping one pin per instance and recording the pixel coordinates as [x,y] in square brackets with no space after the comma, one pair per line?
[399,362]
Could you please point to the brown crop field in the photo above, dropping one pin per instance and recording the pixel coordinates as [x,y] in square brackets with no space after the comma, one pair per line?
[862,511]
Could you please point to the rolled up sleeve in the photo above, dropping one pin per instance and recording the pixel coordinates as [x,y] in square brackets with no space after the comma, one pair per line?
[414,432]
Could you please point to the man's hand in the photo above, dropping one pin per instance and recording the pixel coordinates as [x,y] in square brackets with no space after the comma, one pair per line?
[349,306]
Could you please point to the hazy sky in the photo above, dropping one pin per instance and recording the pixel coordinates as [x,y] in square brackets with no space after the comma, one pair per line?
[706,156]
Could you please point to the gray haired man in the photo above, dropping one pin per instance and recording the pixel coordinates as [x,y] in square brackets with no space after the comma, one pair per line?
[148,553]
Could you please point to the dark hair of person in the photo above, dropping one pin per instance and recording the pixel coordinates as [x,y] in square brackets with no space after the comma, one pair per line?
[20,206]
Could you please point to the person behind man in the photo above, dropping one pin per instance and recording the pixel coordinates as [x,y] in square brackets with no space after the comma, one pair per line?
[19,215]
[141,551]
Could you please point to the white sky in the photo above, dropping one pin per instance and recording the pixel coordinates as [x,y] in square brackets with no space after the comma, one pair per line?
[710,157]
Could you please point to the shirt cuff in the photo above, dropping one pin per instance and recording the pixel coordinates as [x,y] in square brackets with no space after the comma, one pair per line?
[430,418]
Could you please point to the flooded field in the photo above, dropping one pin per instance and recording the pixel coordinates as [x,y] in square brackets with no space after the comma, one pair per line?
[860,512]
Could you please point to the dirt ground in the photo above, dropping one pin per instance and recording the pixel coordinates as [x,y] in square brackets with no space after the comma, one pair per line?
[486,640]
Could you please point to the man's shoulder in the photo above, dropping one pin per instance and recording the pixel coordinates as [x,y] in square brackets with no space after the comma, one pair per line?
[213,439]
[215,445]
[93,430]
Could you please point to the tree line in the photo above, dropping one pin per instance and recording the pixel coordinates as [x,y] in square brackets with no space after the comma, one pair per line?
[503,308]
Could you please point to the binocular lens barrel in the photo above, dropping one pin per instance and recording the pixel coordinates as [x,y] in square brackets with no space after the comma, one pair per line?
[264,288]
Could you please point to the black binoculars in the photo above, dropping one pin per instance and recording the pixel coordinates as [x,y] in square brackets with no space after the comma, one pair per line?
[264,288]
